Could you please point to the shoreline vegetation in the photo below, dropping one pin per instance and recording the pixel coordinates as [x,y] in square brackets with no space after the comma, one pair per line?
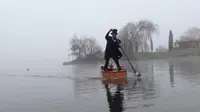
[140,56]
[137,42]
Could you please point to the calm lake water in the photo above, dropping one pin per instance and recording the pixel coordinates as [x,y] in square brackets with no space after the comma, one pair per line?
[169,85]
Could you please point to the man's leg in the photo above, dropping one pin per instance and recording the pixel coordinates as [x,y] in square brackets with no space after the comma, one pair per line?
[117,63]
[120,55]
[106,63]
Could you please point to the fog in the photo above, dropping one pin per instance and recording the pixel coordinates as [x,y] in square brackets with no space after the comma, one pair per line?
[41,29]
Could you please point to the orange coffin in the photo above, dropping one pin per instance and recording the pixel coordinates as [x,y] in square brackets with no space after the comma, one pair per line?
[114,74]
[121,81]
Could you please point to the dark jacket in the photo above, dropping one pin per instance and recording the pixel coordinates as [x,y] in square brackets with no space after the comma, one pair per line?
[112,47]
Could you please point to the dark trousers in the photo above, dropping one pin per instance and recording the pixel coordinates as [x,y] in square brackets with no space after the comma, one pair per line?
[116,59]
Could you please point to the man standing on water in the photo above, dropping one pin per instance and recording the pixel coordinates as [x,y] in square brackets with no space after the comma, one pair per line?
[112,49]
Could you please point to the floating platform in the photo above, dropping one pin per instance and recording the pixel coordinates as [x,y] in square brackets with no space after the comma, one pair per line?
[113,74]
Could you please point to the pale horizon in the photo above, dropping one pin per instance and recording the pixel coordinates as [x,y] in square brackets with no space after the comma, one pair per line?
[41,29]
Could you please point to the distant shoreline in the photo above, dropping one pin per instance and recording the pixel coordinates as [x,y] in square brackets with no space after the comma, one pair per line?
[99,60]
[141,56]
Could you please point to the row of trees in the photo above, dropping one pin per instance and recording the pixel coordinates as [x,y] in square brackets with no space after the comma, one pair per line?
[135,37]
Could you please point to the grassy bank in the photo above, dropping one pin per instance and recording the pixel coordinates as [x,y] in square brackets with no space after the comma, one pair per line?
[173,53]
[143,56]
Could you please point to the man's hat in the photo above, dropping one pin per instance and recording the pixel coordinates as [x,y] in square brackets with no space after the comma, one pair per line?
[114,31]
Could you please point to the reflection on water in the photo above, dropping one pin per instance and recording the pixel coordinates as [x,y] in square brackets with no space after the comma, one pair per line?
[139,92]
[171,73]
[115,101]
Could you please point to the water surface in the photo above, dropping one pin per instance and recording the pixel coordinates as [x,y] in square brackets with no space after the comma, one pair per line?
[169,85]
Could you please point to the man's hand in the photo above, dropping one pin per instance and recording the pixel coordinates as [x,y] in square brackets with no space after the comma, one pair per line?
[107,35]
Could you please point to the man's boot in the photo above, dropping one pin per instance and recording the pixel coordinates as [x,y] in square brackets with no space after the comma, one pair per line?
[119,68]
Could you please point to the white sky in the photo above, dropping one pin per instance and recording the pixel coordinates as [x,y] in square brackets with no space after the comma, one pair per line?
[40,29]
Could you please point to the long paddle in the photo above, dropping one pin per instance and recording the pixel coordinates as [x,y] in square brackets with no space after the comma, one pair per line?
[135,72]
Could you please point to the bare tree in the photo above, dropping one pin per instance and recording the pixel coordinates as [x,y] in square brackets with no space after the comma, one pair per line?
[146,29]
[138,36]
[84,46]
[93,46]
[75,46]
[90,45]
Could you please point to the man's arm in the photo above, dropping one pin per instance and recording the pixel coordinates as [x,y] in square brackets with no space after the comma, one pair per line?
[119,42]
[107,35]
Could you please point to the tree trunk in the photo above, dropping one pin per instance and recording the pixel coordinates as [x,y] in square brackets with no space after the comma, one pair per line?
[136,46]
[151,45]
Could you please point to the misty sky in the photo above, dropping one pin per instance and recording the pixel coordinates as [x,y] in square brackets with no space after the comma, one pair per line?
[41,29]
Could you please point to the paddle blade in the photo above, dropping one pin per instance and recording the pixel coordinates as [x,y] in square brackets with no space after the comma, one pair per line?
[138,74]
